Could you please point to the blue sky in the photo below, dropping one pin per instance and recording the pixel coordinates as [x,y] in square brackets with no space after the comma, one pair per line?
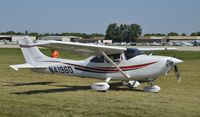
[93,16]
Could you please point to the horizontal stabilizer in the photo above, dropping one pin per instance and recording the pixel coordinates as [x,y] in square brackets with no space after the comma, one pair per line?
[25,66]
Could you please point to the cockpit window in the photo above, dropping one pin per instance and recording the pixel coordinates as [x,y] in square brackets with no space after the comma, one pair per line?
[129,53]
[132,52]
[98,59]
[114,57]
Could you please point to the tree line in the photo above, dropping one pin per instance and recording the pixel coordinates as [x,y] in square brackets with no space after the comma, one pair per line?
[173,34]
[83,35]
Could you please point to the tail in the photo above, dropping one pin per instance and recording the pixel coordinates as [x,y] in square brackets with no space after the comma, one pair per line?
[30,52]
[31,55]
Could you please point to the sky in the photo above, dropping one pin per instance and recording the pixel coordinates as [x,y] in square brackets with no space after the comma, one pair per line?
[93,16]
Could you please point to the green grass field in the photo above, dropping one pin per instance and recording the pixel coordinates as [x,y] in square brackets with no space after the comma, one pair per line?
[28,94]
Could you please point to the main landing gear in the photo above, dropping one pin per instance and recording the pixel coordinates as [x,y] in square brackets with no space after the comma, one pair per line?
[100,86]
[104,86]
[133,84]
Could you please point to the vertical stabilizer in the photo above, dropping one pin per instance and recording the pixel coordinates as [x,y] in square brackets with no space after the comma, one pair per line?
[30,52]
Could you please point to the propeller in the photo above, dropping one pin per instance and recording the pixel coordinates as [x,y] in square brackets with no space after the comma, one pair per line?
[171,64]
[177,73]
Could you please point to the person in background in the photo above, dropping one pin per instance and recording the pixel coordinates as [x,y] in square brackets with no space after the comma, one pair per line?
[55,54]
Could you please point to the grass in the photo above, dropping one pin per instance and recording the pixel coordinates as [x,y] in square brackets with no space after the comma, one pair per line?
[28,94]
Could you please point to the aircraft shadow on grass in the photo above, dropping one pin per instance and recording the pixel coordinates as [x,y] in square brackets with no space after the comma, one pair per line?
[113,86]
[27,84]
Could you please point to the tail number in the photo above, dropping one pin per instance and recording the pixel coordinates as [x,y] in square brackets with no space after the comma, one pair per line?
[63,70]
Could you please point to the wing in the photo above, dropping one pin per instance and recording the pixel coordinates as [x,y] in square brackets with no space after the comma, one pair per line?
[81,47]
[155,49]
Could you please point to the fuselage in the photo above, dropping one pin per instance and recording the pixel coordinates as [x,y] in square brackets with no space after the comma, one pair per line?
[140,68]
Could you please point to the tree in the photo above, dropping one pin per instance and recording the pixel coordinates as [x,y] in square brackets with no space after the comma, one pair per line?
[123,32]
[135,32]
[198,33]
[172,34]
[195,34]
[33,34]
[148,34]
[110,31]
[97,35]
[46,34]
[183,34]
[159,34]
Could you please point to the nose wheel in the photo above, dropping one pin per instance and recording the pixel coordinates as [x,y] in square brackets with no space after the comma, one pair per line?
[131,84]
[152,88]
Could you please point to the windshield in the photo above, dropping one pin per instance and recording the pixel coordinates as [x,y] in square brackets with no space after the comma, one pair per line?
[132,52]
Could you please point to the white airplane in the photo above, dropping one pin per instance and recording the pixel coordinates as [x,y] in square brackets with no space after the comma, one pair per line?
[129,65]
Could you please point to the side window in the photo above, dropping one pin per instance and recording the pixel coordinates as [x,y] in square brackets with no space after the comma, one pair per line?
[114,58]
[98,59]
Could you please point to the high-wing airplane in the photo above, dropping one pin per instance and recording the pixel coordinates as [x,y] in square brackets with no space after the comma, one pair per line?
[129,65]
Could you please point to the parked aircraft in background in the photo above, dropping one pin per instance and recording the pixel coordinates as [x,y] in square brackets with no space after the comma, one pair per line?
[180,43]
[129,65]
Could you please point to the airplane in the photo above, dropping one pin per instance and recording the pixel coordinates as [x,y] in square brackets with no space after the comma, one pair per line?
[180,43]
[107,63]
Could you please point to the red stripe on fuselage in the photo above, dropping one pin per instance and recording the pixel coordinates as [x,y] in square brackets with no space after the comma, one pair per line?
[128,67]
[106,69]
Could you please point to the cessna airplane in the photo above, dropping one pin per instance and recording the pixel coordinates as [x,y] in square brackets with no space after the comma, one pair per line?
[129,65]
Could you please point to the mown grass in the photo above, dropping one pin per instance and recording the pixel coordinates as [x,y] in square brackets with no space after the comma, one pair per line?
[28,94]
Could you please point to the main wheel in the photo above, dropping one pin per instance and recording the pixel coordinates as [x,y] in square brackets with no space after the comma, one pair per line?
[152,89]
[100,86]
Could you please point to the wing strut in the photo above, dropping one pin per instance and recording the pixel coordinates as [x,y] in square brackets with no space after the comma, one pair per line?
[117,67]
